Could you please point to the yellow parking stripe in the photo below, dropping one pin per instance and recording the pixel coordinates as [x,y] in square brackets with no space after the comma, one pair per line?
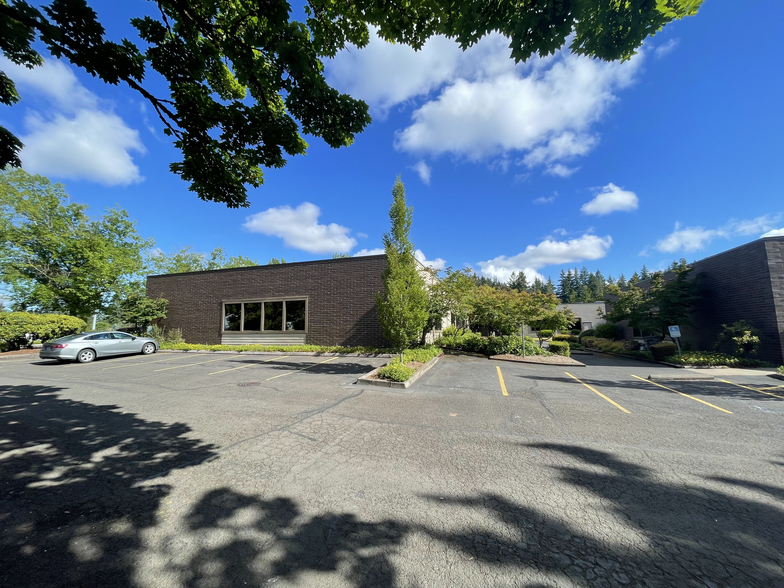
[771,388]
[761,391]
[176,367]
[592,389]
[242,367]
[119,367]
[682,394]
[302,370]
[501,379]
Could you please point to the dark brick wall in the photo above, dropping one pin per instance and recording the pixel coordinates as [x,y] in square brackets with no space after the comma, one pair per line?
[341,303]
[745,283]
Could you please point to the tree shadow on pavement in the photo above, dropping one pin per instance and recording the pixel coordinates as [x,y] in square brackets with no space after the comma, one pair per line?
[266,540]
[75,490]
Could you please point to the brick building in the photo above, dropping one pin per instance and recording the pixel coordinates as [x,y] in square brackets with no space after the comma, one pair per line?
[328,302]
[744,283]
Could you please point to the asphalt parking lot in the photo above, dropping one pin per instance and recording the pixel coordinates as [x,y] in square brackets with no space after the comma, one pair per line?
[211,470]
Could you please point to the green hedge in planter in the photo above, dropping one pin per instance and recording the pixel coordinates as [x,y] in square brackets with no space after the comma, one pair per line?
[607,331]
[18,329]
[665,349]
[560,348]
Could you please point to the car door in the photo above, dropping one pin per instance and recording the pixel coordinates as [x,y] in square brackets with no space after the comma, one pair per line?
[127,343]
[103,343]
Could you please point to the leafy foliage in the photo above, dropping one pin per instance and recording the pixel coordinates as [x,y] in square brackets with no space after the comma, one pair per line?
[607,331]
[186,260]
[289,348]
[20,329]
[465,340]
[743,338]
[560,348]
[140,311]
[54,257]
[245,78]
[403,307]
[664,350]
[395,371]
[711,359]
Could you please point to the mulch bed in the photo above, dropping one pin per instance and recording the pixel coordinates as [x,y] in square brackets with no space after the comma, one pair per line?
[540,359]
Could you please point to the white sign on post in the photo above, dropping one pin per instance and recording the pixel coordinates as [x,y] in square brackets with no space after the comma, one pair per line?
[675,331]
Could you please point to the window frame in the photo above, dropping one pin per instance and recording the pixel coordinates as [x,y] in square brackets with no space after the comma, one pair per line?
[243,301]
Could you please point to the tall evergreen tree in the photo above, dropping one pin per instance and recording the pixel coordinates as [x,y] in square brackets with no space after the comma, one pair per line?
[403,307]
[518,281]
[644,274]
[549,287]
[622,283]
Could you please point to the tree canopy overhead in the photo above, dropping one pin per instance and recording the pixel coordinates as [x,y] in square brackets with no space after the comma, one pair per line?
[246,79]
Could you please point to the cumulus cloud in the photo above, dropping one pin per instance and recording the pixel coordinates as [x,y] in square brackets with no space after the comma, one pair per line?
[548,252]
[611,198]
[546,199]
[364,252]
[423,170]
[774,233]
[299,228]
[436,264]
[79,137]
[665,48]
[696,238]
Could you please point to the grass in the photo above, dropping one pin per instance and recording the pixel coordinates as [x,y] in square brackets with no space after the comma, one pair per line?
[276,348]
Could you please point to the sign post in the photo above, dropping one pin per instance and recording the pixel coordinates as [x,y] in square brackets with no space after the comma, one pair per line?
[675,333]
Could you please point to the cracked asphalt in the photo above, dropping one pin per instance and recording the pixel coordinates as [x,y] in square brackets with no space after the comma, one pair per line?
[209,470]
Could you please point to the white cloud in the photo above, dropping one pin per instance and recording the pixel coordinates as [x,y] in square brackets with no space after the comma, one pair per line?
[546,199]
[80,137]
[696,238]
[665,48]
[423,170]
[548,252]
[774,233]
[364,252]
[299,228]
[560,170]
[544,110]
[611,198]
[362,236]
[437,263]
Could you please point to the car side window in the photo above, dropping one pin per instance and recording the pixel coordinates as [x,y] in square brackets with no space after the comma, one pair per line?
[93,338]
[122,336]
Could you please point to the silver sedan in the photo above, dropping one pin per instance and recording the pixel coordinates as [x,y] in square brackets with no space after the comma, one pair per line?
[85,347]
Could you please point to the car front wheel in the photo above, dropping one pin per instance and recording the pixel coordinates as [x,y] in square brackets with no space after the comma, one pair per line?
[86,356]
[148,349]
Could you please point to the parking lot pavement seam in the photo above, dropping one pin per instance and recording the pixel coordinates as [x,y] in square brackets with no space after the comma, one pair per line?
[592,389]
[682,394]
[761,391]
[255,364]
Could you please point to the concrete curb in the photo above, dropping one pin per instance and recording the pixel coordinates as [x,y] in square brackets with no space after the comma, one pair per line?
[680,378]
[303,353]
[529,362]
[369,380]
[449,351]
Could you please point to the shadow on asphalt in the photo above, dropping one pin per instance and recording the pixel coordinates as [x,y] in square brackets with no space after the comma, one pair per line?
[314,367]
[78,491]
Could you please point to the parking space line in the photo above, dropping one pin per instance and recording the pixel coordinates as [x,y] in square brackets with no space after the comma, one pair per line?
[303,369]
[592,389]
[242,367]
[118,367]
[771,387]
[761,391]
[682,394]
[175,367]
[501,379]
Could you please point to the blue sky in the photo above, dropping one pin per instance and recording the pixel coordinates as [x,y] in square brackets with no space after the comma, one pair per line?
[556,163]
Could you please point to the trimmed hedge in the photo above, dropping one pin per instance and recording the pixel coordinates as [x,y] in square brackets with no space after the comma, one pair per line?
[586,333]
[395,371]
[569,338]
[545,333]
[277,348]
[664,350]
[560,348]
[474,343]
[713,358]
[20,329]
[607,331]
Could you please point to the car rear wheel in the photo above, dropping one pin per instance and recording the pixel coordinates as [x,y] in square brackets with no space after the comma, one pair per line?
[148,349]
[86,356]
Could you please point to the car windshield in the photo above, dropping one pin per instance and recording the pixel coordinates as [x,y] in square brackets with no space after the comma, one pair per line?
[68,338]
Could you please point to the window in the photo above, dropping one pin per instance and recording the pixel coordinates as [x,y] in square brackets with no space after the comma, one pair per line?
[295,315]
[266,315]
[273,316]
[252,317]
[123,336]
[100,337]
[231,317]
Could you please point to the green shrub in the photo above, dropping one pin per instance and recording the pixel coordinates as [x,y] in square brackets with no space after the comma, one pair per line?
[607,331]
[576,346]
[545,333]
[560,348]
[164,335]
[395,371]
[575,332]
[743,337]
[421,354]
[780,369]
[276,348]
[713,358]
[586,333]
[563,338]
[664,350]
[631,345]
[19,329]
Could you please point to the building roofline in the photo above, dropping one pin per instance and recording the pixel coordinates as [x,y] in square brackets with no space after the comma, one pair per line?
[268,266]
[779,238]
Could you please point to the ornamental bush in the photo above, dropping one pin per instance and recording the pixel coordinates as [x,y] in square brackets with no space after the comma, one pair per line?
[20,329]
[545,333]
[560,348]
[395,371]
[664,350]
[586,333]
[607,331]
[713,358]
